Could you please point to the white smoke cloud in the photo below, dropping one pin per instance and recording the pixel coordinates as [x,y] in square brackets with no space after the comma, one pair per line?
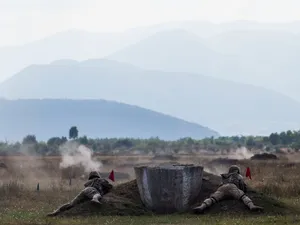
[235,154]
[74,154]
[215,170]
[240,153]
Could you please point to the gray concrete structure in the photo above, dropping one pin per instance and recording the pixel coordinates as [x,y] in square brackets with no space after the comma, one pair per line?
[169,188]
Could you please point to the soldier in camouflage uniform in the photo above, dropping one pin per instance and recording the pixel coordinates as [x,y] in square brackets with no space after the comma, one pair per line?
[94,190]
[233,186]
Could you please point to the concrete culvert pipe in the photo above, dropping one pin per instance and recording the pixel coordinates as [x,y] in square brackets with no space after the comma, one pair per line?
[169,188]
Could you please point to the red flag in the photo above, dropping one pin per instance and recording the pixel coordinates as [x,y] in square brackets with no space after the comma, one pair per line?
[112,176]
[248,173]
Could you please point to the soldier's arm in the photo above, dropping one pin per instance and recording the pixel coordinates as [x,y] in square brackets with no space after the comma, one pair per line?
[88,183]
[103,185]
[243,185]
[106,185]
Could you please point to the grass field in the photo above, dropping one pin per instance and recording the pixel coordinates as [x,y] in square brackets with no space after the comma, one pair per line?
[20,203]
[35,218]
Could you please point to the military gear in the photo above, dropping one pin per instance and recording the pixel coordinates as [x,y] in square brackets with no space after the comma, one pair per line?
[94,174]
[233,186]
[94,190]
[96,198]
[234,168]
[234,178]
[102,185]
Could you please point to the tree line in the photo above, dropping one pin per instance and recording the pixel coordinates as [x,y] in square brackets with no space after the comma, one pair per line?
[30,145]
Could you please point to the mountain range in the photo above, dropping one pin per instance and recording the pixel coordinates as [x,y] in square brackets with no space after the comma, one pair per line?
[262,58]
[225,106]
[95,118]
[236,78]
[262,54]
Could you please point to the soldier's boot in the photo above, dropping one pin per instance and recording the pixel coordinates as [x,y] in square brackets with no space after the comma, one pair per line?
[96,198]
[206,204]
[60,210]
[248,202]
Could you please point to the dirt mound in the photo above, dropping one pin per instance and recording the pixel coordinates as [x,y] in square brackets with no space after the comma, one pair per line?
[211,183]
[225,161]
[3,165]
[118,175]
[264,156]
[125,200]
[164,157]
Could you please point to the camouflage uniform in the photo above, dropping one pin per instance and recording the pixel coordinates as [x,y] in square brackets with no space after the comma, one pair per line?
[233,186]
[94,190]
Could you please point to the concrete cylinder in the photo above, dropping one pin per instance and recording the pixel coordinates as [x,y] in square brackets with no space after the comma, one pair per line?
[169,188]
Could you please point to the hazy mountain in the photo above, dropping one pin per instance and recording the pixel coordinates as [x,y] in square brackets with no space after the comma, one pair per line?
[65,62]
[94,118]
[206,29]
[175,50]
[82,45]
[182,51]
[264,58]
[228,107]
[272,57]
[73,44]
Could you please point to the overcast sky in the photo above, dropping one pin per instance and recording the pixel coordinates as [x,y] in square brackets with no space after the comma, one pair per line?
[25,20]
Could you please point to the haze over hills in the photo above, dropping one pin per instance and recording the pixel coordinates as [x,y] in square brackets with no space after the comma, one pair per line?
[263,58]
[229,107]
[273,55]
[179,51]
[206,30]
[94,118]
[263,54]
[177,68]
[72,44]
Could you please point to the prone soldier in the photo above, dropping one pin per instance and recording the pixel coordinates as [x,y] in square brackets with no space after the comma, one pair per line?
[233,186]
[95,188]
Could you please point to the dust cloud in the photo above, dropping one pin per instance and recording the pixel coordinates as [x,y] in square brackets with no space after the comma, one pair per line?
[240,153]
[215,170]
[74,154]
[220,165]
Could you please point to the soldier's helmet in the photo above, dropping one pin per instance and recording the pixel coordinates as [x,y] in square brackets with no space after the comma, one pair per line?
[234,168]
[94,174]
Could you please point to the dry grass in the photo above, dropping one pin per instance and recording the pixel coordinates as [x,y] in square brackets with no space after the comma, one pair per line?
[20,203]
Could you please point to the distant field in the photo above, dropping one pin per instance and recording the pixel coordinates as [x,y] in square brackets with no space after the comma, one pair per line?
[20,203]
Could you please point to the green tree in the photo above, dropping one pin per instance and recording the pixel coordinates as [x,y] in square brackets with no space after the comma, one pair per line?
[283,138]
[73,132]
[236,139]
[212,140]
[265,139]
[289,136]
[29,139]
[83,140]
[250,141]
[243,140]
[274,139]
[56,141]
[126,142]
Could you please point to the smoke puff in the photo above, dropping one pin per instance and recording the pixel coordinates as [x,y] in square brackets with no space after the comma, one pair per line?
[74,154]
[238,154]
[241,153]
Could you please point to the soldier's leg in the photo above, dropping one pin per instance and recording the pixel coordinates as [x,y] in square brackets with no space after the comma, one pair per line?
[81,197]
[96,198]
[240,195]
[215,197]
[92,194]
[249,203]
[62,208]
